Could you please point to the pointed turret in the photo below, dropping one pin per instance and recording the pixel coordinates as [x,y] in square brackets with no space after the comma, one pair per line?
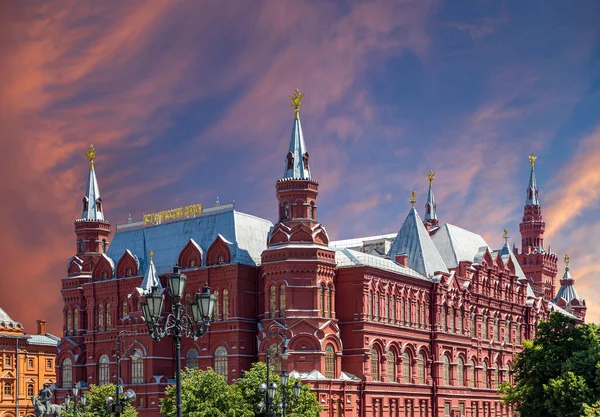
[567,296]
[92,230]
[413,242]
[150,278]
[532,189]
[538,264]
[431,219]
[296,161]
[92,203]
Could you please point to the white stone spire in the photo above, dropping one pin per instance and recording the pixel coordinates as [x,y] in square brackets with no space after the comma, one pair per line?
[532,189]
[150,278]
[92,203]
[430,206]
[296,160]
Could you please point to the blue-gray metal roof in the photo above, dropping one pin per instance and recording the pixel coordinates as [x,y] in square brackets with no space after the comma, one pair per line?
[297,149]
[92,194]
[247,234]
[532,190]
[567,289]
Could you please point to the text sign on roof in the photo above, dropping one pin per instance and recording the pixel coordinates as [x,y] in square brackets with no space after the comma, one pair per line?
[178,213]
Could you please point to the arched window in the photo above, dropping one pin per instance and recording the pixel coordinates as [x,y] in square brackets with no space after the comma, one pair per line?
[402,312]
[216,307]
[103,370]
[225,304]
[370,306]
[273,301]
[446,370]
[423,315]
[328,301]
[286,210]
[80,246]
[386,312]
[30,392]
[460,372]
[376,310]
[444,318]
[191,359]
[137,367]
[496,330]
[418,315]
[407,374]
[321,301]
[100,318]
[460,321]
[221,361]
[75,319]
[451,319]
[393,309]
[507,331]
[108,316]
[484,375]
[124,311]
[420,369]
[484,328]
[391,365]
[67,373]
[69,321]
[282,301]
[329,362]
[518,334]
[375,365]
[104,245]
[509,377]
[473,332]
[409,312]
[312,211]
[472,374]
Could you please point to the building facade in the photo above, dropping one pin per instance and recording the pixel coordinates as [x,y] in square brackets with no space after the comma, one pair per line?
[27,362]
[422,322]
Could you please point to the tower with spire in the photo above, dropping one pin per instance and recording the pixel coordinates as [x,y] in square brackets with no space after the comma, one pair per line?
[567,296]
[297,265]
[431,219]
[538,264]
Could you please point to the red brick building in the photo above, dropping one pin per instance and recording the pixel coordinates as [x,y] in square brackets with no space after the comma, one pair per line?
[423,322]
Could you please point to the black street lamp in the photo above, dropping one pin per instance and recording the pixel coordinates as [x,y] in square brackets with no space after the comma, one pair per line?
[112,407]
[117,405]
[269,388]
[77,399]
[178,323]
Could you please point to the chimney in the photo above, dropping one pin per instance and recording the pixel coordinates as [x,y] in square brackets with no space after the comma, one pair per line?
[41,324]
[402,259]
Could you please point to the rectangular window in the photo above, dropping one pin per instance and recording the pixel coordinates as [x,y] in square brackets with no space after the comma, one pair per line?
[48,363]
[7,389]
[8,361]
[447,409]
[30,363]
[461,408]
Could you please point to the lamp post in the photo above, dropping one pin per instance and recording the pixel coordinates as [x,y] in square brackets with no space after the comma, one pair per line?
[117,408]
[178,323]
[77,399]
[269,388]
[117,404]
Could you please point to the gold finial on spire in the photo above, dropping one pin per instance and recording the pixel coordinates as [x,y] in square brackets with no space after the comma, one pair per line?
[567,260]
[90,155]
[532,159]
[505,235]
[413,198]
[296,102]
[430,177]
[151,253]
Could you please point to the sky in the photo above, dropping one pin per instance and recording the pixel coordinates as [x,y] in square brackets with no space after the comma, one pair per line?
[187,100]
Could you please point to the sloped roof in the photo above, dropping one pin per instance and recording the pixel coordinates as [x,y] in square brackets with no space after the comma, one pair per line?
[348,258]
[297,149]
[414,241]
[7,321]
[456,244]
[247,233]
[43,340]
[567,289]
[92,194]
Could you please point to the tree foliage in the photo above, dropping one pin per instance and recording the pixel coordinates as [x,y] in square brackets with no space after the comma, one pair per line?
[96,403]
[558,373]
[206,394]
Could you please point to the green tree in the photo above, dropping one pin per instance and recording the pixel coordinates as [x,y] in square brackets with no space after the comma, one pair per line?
[96,403]
[306,406]
[206,394]
[558,373]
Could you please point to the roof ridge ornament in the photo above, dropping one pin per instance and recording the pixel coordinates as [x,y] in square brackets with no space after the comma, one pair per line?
[505,235]
[151,253]
[430,177]
[532,159]
[90,155]
[296,103]
[413,198]
[567,260]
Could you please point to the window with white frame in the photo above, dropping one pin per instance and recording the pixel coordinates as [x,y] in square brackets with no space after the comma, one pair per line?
[137,367]
[67,373]
[221,361]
